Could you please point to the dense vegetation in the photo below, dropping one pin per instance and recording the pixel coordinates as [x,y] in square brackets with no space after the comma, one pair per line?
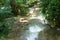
[10,8]
[21,6]
[51,9]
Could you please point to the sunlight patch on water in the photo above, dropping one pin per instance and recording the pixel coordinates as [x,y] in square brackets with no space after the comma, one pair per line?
[23,20]
[39,16]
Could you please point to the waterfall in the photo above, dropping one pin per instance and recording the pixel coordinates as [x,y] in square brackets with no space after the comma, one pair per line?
[35,26]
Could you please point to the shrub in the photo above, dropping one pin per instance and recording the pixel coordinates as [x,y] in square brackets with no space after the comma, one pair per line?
[51,9]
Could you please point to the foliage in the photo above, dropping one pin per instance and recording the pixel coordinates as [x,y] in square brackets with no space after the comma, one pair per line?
[1,2]
[24,3]
[24,11]
[21,7]
[5,12]
[7,7]
[51,9]
[4,30]
[21,3]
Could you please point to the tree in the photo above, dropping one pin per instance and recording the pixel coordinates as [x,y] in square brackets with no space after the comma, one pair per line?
[21,6]
[51,9]
[9,8]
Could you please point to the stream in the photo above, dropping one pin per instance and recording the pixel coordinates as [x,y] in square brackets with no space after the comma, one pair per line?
[34,28]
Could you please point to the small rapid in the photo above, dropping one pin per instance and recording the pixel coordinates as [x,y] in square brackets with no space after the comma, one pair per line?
[35,26]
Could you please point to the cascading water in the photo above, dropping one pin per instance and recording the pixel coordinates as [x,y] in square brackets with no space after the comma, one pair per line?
[33,28]
[34,31]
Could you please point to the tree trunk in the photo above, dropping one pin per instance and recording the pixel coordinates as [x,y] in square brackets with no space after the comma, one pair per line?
[14,7]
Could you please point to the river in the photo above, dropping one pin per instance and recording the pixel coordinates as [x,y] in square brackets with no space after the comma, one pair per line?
[34,28]
[38,30]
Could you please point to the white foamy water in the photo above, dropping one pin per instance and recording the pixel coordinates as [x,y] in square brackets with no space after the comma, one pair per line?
[34,31]
[34,28]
